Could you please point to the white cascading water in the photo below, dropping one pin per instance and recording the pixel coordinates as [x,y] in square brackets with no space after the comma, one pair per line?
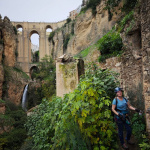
[24,98]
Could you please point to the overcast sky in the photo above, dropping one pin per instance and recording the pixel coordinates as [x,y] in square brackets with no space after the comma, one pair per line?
[37,10]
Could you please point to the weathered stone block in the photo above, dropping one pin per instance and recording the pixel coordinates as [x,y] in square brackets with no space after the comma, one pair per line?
[67,75]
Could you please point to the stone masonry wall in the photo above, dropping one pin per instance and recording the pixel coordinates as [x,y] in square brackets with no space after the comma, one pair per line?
[145,34]
[67,76]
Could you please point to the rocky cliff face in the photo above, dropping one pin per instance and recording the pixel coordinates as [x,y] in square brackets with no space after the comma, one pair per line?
[11,81]
[87,30]
[10,43]
[1,54]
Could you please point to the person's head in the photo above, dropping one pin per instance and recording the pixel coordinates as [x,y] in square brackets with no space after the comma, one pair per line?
[118,91]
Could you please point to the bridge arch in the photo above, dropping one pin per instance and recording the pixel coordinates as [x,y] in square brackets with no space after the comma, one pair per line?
[48,26]
[32,32]
[24,45]
[19,26]
[33,70]
[32,47]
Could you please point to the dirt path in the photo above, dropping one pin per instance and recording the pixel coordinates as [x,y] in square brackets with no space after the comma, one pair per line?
[131,147]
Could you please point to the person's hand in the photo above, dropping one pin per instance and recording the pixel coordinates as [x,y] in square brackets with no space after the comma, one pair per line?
[121,116]
[137,110]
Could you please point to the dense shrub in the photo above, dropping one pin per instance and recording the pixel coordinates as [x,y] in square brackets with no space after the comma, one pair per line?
[81,120]
[110,45]
[68,20]
[46,73]
[14,119]
[139,126]
[126,8]
[124,21]
[91,4]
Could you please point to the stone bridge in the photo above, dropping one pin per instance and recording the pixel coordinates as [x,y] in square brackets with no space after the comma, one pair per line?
[24,40]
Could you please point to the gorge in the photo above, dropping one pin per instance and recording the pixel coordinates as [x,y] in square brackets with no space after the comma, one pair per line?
[80,39]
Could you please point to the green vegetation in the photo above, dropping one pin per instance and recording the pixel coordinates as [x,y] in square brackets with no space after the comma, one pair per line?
[139,126]
[126,8]
[85,52]
[51,36]
[46,68]
[14,119]
[81,120]
[35,56]
[129,5]
[91,4]
[68,20]
[65,41]
[125,20]
[19,70]
[15,30]
[67,36]
[110,45]
[46,73]
[10,74]
[2,101]
[1,41]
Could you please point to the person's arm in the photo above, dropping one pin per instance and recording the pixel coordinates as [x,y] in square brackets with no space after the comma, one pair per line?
[113,109]
[132,108]
[129,106]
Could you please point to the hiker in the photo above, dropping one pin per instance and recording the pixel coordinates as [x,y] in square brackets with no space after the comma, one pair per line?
[120,107]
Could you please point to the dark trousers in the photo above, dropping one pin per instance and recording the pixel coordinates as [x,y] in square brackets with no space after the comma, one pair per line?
[121,125]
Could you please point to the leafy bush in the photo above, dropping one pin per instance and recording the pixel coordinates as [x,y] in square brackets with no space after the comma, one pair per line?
[83,53]
[47,72]
[14,119]
[110,45]
[68,20]
[139,126]
[81,120]
[91,4]
[127,6]
[46,68]
[52,34]
[125,20]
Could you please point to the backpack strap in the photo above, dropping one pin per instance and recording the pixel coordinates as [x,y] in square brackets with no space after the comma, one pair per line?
[125,99]
[116,103]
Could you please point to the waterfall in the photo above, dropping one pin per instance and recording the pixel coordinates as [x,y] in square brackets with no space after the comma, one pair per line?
[24,98]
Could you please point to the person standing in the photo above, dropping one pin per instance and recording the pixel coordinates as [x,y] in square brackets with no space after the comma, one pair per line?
[120,106]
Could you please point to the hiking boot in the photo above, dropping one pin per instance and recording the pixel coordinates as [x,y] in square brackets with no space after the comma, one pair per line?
[124,146]
[130,142]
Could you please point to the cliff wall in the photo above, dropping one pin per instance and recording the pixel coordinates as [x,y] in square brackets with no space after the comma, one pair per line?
[12,81]
[86,28]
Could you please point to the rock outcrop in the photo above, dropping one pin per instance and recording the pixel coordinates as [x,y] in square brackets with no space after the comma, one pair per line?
[1,54]
[87,29]
[10,42]
[12,81]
